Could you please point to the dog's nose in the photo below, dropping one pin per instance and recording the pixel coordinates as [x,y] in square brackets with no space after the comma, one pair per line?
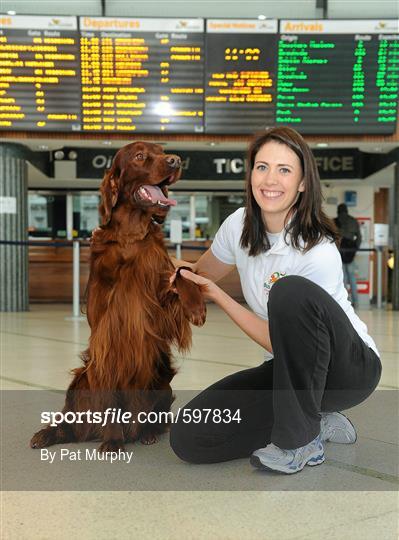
[173,161]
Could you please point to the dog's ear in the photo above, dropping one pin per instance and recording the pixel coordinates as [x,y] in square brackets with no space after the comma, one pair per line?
[109,190]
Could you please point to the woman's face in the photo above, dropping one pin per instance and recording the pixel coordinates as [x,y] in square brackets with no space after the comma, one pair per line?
[276,179]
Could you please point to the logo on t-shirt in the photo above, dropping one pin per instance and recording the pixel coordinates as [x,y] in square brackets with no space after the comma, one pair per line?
[268,283]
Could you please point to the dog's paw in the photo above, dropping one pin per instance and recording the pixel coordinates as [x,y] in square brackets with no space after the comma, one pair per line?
[192,301]
[96,234]
[197,316]
[148,439]
[44,437]
[111,446]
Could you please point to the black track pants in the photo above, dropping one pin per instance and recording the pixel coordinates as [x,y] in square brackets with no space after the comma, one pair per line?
[320,364]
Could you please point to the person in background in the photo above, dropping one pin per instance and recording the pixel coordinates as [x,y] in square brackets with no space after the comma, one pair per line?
[351,239]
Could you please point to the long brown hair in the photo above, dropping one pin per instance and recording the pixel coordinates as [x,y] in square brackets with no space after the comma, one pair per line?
[308,222]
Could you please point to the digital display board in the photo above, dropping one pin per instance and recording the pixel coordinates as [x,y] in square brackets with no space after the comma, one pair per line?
[240,81]
[142,75]
[39,73]
[234,77]
[338,76]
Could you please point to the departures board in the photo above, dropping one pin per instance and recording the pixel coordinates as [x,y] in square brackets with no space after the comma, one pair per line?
[39,73]
[143,75]
[219,76]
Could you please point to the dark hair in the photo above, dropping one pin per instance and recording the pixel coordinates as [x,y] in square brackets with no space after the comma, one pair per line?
[309,222]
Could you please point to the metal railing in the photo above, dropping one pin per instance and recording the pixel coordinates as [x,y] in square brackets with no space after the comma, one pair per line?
[76,244]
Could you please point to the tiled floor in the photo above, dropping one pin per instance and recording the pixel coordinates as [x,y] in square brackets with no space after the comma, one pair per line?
[353,495]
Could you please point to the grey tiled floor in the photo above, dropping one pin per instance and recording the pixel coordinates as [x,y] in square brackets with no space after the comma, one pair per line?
[353,495]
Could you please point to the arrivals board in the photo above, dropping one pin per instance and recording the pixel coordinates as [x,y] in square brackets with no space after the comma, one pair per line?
[338,76]
[39,73]
[240,80]
[143,75]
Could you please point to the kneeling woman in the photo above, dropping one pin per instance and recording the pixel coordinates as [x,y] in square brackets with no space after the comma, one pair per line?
[319,356]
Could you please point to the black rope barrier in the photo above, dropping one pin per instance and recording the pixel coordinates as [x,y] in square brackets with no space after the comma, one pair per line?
[83,243]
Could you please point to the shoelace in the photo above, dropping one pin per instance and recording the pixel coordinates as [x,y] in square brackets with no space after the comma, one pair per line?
[278,450]
[296,454]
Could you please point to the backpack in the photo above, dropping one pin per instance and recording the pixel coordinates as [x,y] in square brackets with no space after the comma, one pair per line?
[347,250]
[348,231]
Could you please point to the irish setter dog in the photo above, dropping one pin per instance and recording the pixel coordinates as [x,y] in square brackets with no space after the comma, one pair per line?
[134,316]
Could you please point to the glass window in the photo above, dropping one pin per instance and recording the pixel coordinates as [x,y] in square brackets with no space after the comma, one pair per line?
[203,216]
[38,216]
[210,212]
[180,211]
[85,214]
[46,215]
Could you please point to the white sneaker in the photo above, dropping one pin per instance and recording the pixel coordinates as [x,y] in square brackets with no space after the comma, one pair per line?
[336,427]
[288,461]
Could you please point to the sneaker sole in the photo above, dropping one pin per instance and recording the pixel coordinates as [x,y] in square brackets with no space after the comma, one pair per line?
[312,462]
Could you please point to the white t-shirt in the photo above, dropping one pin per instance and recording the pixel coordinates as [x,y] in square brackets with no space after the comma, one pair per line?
[322,264]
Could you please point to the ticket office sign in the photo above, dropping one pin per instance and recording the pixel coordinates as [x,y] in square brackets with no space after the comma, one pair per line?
[240,80]
[142,75]
[338,76]
[39,73]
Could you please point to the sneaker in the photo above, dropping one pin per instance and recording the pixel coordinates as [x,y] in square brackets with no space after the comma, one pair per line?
[274,458]
[336,427]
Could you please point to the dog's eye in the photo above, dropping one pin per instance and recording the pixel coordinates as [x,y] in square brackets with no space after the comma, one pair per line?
[139,156]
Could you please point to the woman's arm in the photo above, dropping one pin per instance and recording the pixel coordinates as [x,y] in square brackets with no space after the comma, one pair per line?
[211,267]
[255,327]
[179,262]
[207,265]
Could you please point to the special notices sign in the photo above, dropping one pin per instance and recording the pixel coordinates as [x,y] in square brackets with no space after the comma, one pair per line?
[338,76]
[142,75]
[39,73]
[240,82]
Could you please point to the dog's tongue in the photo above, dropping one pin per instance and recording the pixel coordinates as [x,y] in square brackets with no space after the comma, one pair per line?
[155,195]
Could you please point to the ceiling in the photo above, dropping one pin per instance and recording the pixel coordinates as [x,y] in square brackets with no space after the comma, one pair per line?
[206,8]
[291,9]
[68,181]
[44,144]
[335,9]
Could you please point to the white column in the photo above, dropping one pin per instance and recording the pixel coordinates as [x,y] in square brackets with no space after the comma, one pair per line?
[13,228]
[192,217]
[69,216]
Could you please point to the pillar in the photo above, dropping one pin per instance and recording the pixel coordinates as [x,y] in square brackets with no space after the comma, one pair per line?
[14,294]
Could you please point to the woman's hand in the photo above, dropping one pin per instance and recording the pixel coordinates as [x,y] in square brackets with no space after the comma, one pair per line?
[208,288]
[178,262]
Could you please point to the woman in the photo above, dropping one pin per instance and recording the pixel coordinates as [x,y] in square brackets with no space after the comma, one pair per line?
[320,358]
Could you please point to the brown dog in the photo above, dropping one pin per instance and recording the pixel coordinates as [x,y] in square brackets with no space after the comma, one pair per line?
[134,316]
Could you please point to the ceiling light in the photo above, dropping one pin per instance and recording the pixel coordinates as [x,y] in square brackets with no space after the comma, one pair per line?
[262,17]
[11,12]
[59,154]
[42,147]
[163,108]
[107,143]
[322,145]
